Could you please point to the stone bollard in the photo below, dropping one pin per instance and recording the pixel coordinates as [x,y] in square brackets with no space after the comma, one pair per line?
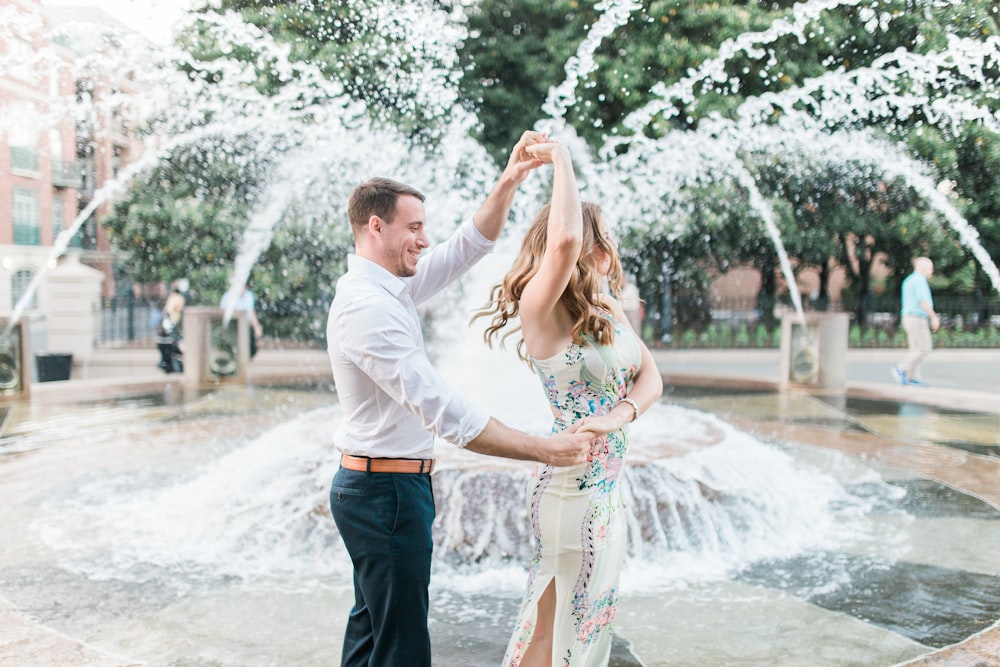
[814,356]
[15,364]
[215,351]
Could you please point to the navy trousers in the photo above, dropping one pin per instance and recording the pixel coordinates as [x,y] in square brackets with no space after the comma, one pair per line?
[385,521]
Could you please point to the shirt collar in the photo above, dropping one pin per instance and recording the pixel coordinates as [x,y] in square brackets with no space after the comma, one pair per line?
[363,266]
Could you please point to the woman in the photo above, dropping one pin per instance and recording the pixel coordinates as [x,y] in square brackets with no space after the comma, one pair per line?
[168,334]
[596,372]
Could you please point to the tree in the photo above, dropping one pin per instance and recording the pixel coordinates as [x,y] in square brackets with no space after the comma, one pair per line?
[515,50]
[850,68]
[287,94]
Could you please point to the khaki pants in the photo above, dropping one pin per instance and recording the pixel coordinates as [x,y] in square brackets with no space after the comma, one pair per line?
[918,340]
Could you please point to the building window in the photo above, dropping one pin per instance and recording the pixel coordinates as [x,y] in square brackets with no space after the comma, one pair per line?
[27,225]
[19,283]
[24,160]
[58,217]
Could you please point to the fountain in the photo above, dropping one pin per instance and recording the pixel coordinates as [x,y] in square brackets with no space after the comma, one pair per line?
[203,526]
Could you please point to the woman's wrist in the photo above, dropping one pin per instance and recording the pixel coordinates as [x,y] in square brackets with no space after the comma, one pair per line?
[635,408]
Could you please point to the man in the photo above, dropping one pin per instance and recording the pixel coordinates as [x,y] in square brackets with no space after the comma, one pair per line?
[244,300]
[395,403]
[919,320]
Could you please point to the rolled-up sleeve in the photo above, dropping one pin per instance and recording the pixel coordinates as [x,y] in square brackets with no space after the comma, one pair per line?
[446,261]
[381,345]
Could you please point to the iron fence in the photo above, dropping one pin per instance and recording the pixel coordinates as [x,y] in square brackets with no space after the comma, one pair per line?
[965,312]
[966,320]
[129,319]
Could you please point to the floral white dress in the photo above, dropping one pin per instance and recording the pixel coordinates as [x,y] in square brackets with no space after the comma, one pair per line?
[577,513]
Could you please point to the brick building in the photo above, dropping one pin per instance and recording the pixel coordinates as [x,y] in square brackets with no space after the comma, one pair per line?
[65,131]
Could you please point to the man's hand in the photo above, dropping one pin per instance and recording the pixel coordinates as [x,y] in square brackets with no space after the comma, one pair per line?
[492,215]
[566,448]
[521,162]
[547,152]
[563,449]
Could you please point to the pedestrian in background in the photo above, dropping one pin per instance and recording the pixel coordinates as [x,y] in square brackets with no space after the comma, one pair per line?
[919,320]
[169,335]
[243,300]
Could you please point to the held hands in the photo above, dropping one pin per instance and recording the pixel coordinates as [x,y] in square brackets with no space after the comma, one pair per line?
[603,424]
[572,446]
[566,448]
[547,152]
[521,161]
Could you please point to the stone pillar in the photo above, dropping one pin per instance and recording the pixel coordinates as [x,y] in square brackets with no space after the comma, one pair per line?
[814,356]
[214,351]
[15,360]
[73,309]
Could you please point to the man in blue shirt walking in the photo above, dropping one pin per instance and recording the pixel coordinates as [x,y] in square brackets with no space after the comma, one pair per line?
[919,320]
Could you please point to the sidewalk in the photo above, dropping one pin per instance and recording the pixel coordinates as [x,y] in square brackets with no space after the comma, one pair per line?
[967,379]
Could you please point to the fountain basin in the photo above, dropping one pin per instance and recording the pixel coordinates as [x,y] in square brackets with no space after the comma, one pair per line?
[128,464]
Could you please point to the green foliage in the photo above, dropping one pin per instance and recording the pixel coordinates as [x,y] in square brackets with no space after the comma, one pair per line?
[850,212]
[515,51]
[186,217]
[761,336]
[854,336]
[311,252]
[728,336]
[374,52]
[742,337]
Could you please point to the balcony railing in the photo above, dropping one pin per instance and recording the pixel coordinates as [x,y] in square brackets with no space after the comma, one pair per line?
[88,178]
[67,175]
[24,159]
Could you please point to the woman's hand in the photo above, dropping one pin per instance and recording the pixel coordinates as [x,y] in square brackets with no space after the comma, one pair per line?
[521,163]
[547,152]
[603,424]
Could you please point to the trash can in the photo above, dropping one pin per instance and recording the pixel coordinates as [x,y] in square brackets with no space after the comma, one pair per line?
[52,367]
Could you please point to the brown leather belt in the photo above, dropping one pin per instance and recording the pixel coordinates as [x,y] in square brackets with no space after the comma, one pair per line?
[365,464]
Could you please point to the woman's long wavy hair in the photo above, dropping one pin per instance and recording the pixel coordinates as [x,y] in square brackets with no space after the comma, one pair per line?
[581,296]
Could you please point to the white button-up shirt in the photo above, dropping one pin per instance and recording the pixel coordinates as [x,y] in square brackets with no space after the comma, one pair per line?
[394,400]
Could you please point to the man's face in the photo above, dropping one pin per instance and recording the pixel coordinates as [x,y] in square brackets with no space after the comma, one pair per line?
[403,237]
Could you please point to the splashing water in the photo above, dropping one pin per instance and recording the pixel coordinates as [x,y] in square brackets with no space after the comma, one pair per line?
[704,499]
[629,179]
[810,116]
[561,98]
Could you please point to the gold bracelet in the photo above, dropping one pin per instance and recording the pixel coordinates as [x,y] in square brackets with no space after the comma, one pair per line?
[635,408]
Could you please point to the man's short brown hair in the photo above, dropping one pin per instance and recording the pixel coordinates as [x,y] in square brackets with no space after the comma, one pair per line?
[377,196]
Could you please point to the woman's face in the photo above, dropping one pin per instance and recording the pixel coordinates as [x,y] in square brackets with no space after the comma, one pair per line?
[602,258]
